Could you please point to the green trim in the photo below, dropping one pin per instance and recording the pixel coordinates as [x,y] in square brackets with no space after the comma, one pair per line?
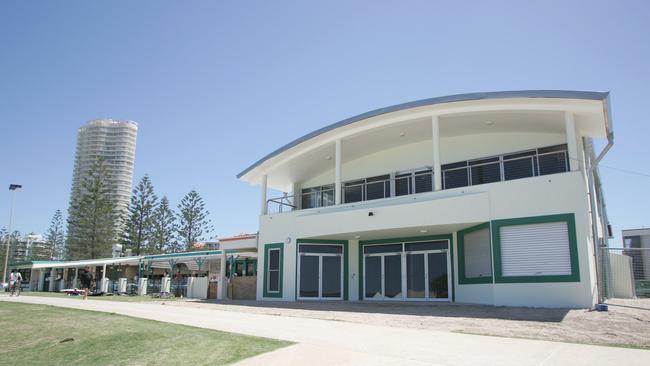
[573,249]
[345,245]
[460,240]
[186,254]
[268,247]
[409,239]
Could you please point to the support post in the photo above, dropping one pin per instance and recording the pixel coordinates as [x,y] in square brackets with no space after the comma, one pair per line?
[337,173]
[52,280]
[263,186]
[221,285]
[572,145]
[104,284]
[76,278]
[435,137]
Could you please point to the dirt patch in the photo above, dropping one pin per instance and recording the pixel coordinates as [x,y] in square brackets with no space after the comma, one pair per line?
[627,323]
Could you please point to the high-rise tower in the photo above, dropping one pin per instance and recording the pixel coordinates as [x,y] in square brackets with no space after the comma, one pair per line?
[114,142]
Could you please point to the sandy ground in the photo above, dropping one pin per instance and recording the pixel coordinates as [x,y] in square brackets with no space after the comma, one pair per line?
[627,323]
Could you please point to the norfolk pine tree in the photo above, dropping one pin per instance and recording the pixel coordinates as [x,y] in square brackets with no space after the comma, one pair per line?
[139,226]
[193,220]
[92,220]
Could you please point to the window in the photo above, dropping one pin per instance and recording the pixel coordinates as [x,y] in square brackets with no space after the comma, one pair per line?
[353,191]
[320,196]
[455,175]
[404,182]
[536,249]
[553,160]
[273,270]
[474,256]
[520,165]
[366,189]
[485,171]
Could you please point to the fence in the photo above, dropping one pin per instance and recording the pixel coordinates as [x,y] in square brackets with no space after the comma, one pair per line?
[626,272]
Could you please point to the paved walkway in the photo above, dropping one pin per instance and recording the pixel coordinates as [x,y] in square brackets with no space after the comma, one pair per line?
[324,342]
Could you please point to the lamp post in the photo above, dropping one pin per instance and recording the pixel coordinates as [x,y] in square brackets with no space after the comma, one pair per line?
[13,188]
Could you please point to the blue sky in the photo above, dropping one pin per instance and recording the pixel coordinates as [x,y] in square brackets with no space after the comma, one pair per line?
[215,85]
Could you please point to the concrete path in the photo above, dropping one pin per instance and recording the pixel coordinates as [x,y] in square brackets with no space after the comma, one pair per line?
[324,342]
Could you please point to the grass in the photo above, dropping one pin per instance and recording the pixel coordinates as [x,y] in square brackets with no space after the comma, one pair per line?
[111,298]
[35,334]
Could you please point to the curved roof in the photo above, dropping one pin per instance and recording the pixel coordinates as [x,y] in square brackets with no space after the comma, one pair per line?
[566,94]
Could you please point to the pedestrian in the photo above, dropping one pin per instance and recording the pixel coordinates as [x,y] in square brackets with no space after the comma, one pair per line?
[12,281]
[86,280]
[18,281]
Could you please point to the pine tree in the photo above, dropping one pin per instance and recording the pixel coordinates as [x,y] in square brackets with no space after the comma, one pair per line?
[139,223]
[55,239]
[163,229]
[92,220]
[193,220]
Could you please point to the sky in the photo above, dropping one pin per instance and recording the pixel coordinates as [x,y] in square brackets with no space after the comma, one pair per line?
[216,85]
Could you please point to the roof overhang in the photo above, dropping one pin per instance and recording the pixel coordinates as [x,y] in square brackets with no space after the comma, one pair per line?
[522,100]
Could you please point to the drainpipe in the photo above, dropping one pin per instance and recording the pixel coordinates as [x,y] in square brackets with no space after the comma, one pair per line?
[596,197]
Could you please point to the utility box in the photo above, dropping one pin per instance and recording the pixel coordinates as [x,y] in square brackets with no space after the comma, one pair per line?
[121,286]
[142,286]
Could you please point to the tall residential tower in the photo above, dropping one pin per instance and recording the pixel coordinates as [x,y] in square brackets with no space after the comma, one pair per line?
[114,142]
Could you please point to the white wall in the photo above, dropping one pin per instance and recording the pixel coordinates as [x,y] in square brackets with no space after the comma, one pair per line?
[545,195]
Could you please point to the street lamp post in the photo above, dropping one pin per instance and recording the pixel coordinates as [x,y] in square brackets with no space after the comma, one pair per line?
[13,188]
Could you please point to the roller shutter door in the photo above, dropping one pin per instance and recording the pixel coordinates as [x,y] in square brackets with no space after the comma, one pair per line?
[535,250]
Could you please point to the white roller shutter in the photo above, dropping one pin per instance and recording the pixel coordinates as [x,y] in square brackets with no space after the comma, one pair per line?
[535,250]
[478,261]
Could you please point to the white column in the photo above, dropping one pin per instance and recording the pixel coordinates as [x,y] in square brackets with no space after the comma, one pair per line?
[435,136]
[570,128]
[76,278]
[297,196]
[52,280]
[263,186]
[337,173]
[65,277]
[221,285]
[103,283]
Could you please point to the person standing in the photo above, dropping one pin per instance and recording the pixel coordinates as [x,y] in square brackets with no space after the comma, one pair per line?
[12,282]
[86,280]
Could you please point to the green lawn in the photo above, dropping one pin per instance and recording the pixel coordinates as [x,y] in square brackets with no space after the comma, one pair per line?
[106,297]
[33,335]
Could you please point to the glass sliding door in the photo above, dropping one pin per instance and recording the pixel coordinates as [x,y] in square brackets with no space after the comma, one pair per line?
[407,271]
[373,277]
[415,276]
[320,271]
[309,268]
[438,278]
[331,276]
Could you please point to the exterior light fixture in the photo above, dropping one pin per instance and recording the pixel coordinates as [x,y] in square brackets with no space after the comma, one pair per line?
[489,123]
[402,134]
[424,231]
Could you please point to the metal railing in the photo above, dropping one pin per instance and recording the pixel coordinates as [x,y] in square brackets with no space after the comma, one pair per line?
[473,173]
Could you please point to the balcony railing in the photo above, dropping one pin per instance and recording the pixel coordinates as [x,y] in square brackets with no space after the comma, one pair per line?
[523,164]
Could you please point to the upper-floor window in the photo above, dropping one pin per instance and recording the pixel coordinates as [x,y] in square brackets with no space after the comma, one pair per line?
[367,189]
[320,196]
[531,163]
[413,182]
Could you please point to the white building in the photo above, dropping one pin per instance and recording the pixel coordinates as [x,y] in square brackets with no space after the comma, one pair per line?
[475,198]
[114,142]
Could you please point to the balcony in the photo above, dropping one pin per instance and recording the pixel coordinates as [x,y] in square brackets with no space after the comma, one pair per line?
[505,167]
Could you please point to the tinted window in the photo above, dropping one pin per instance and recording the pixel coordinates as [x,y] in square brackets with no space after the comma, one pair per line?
[488,173]
[389,248]
[519,168]
[432,245]
[312,248]
[402,184]
[353,191]
[423,181]
[552,163]
[378,187]
[455,178]
[274,259]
